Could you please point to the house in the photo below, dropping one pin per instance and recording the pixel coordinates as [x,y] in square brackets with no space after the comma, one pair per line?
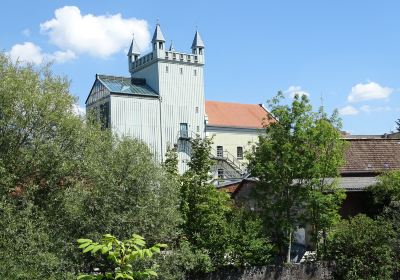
[234,129]
[366,157]
[163,104]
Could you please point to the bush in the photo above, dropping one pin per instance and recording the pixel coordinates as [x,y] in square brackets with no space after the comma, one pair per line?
[362,249]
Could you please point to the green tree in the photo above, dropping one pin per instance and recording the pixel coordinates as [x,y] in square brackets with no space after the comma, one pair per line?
[386,196]
[123,255]
[324,197]
[204,209]
[361,248]
[63,177]
[292,159]
[248,245]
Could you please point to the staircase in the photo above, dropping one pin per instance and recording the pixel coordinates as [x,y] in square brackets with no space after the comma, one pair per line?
[233,168]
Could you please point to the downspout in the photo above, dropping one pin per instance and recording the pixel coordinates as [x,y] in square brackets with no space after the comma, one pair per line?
[161,134]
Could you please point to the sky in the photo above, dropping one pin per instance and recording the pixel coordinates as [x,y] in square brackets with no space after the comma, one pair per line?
[343,54]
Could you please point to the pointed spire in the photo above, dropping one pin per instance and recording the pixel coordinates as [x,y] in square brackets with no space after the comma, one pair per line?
[197,41]
[133,49]
[158,36]
[171,47]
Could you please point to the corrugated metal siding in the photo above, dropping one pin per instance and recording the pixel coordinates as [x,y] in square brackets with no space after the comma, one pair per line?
[181,94]
[138,118]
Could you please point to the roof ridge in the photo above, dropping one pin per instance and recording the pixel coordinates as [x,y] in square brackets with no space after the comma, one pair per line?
[230,102]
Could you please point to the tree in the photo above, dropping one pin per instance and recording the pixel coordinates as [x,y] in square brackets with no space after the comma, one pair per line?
[291,160]
[63,177]
[323,195]
[361,248]
[123,255]
[386,196]
[204,209]
[248,245]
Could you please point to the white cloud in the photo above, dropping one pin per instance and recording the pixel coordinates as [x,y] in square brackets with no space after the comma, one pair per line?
[368,91]
[28,52]
[99,36]
[348,111]
[368,109]
[61,56]
[293,90]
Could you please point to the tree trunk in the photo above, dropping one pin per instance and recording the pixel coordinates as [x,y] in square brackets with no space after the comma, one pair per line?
[289,246]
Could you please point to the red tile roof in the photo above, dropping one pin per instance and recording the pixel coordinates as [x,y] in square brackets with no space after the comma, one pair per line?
[370,155]
[236,114]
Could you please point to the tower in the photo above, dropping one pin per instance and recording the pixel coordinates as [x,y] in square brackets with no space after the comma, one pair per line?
[178,79]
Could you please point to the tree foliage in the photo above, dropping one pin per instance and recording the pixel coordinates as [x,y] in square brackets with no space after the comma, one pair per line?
[63,177]
[292,159]
[362,249]
[122,254]
[203,208]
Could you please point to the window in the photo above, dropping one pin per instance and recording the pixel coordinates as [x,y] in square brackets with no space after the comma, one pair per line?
[200,51]
[183,130]
[197,110]
[195,72]
[105,115]
[166,69]
[220,151]
[239,152]
[160,45]
[198,128]
[220,173]
[181,70]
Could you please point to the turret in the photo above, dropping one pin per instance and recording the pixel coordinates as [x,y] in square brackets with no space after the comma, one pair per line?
[133,54]
[158,41]
[198,46]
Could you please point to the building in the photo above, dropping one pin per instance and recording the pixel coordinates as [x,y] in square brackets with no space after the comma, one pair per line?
[234,128]
[163,104]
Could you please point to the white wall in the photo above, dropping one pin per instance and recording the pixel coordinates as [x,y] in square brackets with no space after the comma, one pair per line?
[231,138]
[139,118]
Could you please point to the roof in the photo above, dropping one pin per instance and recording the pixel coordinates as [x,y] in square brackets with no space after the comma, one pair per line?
[158,36]
[371,155]
[133,49]
[229,187]
[197,41]
[236,114]
[355,183]
[123,85]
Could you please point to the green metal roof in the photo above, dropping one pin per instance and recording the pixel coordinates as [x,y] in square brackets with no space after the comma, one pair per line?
[124,85]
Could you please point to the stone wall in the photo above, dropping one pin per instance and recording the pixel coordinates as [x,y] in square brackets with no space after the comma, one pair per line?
[306,271]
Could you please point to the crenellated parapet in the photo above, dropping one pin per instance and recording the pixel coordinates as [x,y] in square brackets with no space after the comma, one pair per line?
[159,52]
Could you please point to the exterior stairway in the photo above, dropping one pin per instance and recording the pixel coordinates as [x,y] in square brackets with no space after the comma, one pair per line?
[231,166]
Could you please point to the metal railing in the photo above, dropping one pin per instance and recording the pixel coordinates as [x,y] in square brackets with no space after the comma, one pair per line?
[230,159]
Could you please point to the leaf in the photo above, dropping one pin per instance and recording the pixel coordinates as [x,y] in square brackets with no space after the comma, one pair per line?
[96,248]
[83,240]
[137,236]
[84,245]
[88,248]
[104,250]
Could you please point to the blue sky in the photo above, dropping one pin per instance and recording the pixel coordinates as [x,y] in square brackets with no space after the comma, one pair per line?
[345,53]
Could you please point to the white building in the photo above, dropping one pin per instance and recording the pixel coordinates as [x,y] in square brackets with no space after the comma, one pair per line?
[162,103]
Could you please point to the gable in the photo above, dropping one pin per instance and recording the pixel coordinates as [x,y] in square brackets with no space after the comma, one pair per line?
[97,92]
